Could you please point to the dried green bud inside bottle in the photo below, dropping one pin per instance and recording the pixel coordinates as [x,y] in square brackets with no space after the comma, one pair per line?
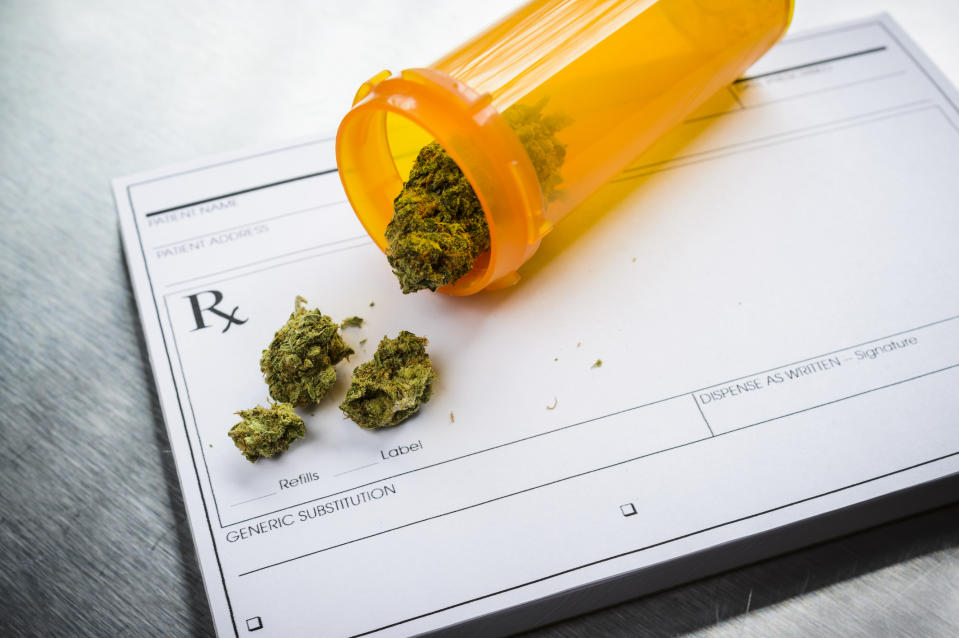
[298,365]
[389,389]
[439,227]
[265,432]
[537,133]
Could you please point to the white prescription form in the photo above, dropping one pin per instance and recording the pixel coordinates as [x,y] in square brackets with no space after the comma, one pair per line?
[773,294]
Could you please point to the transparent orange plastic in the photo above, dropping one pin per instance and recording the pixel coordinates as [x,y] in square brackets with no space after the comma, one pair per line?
[623,73]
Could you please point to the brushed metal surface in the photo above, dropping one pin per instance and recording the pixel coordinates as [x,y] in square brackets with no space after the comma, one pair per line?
[93,535]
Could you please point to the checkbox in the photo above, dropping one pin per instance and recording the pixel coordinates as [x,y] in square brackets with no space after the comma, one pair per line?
[253,624]
[628,509]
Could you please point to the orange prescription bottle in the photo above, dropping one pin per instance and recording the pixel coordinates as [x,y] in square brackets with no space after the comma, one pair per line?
[621,73]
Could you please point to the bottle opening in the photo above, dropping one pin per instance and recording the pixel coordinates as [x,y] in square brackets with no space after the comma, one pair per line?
[405,139]
[394,118]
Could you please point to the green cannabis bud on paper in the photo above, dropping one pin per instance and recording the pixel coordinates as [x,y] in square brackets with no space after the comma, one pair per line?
[267,431]
[298,365]
[439,227]
[352,322]
[389,389]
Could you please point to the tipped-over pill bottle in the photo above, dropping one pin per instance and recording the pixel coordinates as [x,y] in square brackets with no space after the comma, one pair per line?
[620,74]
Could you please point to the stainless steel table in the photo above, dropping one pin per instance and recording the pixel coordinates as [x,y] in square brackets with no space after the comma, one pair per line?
[93,535]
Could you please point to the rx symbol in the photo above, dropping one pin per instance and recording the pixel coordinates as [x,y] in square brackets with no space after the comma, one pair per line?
[230,318]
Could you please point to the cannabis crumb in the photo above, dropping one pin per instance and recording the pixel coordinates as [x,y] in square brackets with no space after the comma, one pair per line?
[579,343]
[362,341]
[452,417]
[634,260]
[555,403]
[555,358]
[298,364]
[372,303]
[389,389]
[597,364]
[439,228]
[266,432]
[352,322]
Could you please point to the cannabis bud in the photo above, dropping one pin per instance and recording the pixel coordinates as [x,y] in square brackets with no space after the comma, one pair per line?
[537,134]
[439,227]
[267,431]
[389,389]
[298,365]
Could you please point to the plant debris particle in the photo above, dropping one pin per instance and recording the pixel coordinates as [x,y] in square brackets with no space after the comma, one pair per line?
[298,365]
[362,341]
[597,364]
[452,417]
[352,322]
[372,303]
[555,403]
[265,432]
[389,389]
